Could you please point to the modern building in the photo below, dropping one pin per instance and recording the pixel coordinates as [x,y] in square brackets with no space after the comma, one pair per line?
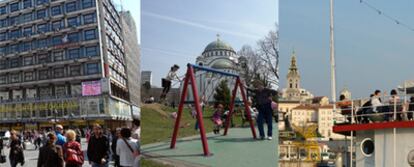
[146,76]
[67,62]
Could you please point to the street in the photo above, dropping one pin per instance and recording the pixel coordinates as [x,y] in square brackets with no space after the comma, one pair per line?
[31,155]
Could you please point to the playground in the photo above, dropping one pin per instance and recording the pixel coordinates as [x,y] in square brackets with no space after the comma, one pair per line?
[232,147]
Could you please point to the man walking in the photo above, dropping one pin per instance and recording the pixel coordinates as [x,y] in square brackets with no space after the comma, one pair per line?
[98,148]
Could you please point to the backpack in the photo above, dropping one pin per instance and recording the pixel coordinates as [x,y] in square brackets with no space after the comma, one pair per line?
[73,156]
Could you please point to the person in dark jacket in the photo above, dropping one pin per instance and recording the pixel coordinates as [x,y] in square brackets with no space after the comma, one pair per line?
[115,157]
[16,150]
[98,148]
[410,109]
[50,155]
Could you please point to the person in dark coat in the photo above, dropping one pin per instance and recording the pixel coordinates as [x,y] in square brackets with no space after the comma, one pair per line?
[98,148]
[16,150]
[115,157]
[50,155]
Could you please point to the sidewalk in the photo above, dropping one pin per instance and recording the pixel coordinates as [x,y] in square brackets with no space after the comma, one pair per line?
[238,148]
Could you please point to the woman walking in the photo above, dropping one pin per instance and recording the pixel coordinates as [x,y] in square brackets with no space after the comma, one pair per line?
[16,150]
[73,154]
[127,149]
[50,155]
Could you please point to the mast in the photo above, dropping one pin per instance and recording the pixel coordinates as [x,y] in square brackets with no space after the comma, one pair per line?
[332,58]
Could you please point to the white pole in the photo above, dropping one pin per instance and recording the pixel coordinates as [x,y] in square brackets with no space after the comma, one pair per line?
[395,130]
[332,57]
[352,134]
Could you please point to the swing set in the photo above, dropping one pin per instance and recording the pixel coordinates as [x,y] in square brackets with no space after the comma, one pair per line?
[190,79]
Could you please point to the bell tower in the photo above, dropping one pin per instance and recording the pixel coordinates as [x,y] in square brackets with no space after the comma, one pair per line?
[293,76]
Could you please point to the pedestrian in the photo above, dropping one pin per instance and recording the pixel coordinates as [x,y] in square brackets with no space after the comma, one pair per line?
[263,102]
[410,109]
[166,82]
[98,148]
[50,155]
[127,149]
[115,138]
[16,155]
[72,150]
[59,134]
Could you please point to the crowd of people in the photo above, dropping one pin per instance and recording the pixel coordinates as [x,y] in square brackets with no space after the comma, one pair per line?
[376,109]
[63,147]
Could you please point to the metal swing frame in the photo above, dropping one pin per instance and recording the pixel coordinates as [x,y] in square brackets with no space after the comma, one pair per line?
[190,79]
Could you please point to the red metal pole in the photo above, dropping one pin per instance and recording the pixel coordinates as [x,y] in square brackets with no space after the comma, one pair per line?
[246,108]
[230,114]
[180,109]
[199,113]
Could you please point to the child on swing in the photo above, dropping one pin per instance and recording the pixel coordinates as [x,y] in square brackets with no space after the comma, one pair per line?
[166,82]
[217,118]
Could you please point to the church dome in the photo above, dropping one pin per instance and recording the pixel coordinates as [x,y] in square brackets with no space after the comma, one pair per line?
[222,64]
[218,45]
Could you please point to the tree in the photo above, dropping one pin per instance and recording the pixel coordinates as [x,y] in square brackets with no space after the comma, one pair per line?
[251,63]
[147,88]
[222,94]
[269,53]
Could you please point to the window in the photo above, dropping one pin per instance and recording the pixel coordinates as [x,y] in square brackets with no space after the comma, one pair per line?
[14,62]
[58,72]
[3,10]
[70,7]
[43,74]
[27,17]
[89,18]
[92,68]
[58,56]
[29,76]
[73,22]
[3,23]
[3,79]
[15,78]
[91,51]
[3,36]
[56,10]
[43,58]
[42,28]
[28,60]
[14,48]
[14,34]
[57,25]
[56,40]
[60,91]
[27,3]
[73,53]
[26,46]
[39,2]
[14,7]
[41,14]
[27,31]
[73,37]
[3,50]
[42,43]
[87,3]
[90,34]
[13,20]
[75,70]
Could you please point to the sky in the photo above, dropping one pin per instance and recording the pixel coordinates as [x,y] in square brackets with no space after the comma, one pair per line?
[371,51]
[134,6]
[177,31]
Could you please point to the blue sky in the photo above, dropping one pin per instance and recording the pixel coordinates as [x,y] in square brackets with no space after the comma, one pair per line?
[176,31]
[372,52]
[134,6]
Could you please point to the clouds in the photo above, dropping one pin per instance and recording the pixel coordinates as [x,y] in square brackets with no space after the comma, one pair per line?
[199,25]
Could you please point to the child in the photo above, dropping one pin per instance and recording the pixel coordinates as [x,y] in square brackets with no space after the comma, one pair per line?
[217,118]
[166,82]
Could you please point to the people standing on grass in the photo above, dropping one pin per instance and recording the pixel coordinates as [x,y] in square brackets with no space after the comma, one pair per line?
[50,155]
[16,155]
[98,148]
[127,149]
[166,82]
[72,150]
[263,102]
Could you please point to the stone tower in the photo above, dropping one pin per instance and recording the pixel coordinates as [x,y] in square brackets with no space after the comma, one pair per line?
[293,79]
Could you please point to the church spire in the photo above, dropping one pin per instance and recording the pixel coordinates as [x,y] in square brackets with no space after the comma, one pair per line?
[293,67]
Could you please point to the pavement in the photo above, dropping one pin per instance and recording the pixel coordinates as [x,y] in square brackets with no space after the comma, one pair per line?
[238,148]
[31,155]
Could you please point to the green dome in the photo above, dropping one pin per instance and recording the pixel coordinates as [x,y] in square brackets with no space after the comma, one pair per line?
[222,64]
[218,45]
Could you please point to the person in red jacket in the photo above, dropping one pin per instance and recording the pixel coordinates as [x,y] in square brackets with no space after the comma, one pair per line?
[72,150]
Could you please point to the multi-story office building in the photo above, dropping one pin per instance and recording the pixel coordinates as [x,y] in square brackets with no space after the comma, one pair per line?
[146,76]
[64,61]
